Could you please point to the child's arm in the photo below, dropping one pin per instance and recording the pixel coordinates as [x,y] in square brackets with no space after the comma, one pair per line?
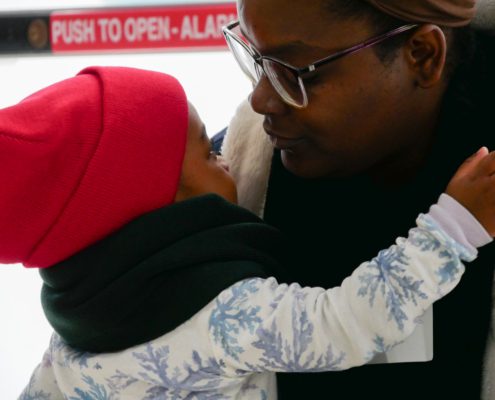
[259,325]
[43,382]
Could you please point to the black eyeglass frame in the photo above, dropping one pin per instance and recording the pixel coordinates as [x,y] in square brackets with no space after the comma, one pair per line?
[300,72]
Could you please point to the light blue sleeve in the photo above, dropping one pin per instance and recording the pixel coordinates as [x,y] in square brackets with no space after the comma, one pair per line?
[43,384]
[260,325]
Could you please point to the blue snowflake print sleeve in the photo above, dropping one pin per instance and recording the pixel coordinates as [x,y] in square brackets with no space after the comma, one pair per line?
[258,325]
[232,348]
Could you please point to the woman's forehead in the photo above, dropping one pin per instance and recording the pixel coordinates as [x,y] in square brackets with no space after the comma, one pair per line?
[277,16]
[277,27]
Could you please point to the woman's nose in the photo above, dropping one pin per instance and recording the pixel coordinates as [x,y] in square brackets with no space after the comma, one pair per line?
[265,100]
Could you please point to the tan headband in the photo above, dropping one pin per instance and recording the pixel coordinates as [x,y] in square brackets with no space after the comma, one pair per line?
[452,13]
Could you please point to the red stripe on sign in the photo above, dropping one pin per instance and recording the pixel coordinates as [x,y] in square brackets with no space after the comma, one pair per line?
[174,27]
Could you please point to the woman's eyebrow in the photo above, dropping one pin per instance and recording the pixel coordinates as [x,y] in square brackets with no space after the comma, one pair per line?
[288,48]
[280,49]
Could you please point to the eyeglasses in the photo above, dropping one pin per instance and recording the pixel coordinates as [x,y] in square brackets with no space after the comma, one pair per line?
[287,80]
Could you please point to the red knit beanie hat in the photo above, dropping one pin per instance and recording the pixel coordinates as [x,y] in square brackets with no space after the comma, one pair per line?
[81,158]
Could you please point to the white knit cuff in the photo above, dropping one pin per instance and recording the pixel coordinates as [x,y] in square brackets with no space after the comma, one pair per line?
[459,223]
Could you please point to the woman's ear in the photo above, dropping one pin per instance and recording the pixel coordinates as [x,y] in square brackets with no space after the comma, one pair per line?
[426,52]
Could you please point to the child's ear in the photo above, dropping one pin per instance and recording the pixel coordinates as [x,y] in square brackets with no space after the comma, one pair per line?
[426,52]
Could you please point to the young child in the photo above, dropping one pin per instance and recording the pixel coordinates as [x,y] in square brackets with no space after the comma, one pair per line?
[158,285]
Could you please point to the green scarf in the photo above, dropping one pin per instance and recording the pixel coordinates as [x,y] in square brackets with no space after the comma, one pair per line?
[155,273]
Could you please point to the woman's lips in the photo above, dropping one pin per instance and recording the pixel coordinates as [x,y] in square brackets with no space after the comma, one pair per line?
[283,143]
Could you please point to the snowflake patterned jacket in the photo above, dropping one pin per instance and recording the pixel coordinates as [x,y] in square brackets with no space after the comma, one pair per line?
[233,346]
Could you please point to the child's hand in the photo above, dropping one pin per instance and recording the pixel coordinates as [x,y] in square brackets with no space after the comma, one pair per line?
[473,185]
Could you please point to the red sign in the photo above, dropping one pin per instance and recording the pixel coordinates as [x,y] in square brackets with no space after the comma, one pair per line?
[174,27]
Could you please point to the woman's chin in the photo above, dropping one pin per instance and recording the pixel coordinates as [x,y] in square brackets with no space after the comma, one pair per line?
[304,166]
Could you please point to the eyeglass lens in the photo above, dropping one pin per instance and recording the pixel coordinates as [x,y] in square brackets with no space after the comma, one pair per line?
[286,82]
[245,60]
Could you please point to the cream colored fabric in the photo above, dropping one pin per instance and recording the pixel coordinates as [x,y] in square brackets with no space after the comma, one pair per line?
[451,13]
[248,152]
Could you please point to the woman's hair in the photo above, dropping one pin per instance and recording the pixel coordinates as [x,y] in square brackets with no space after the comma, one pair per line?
[461,41]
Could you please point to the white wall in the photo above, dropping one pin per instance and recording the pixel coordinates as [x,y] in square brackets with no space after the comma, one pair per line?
[28,5]
[214,84]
